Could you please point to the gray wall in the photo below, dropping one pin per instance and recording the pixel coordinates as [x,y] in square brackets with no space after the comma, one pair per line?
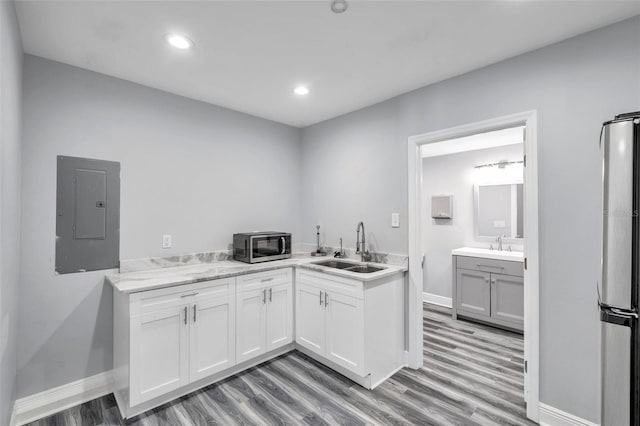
[355,168]
[190,169]
[10,169]
[455,175]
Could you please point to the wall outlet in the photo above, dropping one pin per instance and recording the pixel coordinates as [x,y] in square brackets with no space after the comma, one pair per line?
[166,241]
[395,220]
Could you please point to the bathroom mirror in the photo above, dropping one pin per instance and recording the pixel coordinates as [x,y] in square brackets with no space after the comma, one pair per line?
[499,210]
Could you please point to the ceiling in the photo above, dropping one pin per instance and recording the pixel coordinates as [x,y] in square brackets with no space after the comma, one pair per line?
[249,55]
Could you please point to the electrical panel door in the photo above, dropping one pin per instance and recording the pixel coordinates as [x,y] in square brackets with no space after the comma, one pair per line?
[87,215]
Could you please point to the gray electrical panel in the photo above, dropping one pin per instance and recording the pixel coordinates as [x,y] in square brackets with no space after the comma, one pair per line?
[87,215]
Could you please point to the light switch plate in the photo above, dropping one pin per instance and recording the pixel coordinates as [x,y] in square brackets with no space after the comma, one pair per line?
[166,241]
[395,220]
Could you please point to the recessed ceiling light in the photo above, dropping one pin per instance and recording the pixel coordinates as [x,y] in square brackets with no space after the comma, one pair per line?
[339,6]
[301,90]
[179,41]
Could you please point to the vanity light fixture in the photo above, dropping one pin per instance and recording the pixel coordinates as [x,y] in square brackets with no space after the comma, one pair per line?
[179,41]
[500,164]
[301,90]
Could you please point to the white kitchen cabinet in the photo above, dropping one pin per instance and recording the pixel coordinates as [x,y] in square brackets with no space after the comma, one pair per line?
[174,340]
[310,322]
[251,324]
[159,352]
[279,330]
[345,331]
[354,327]
[212,335]
[330,324]
[167,339]
[264,312]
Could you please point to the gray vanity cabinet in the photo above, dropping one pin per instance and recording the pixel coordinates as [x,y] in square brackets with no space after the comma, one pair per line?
[507,300]
[473,295]
[488,290]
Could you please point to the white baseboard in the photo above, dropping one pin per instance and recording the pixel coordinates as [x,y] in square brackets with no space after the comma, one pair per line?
[434,299]
[12,420]
[551,416]
[37,406]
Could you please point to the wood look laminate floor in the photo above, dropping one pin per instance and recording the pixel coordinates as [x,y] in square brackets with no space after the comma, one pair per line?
[472,375]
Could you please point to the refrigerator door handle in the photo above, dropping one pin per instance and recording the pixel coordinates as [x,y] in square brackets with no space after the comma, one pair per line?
[618,316]
[624,313]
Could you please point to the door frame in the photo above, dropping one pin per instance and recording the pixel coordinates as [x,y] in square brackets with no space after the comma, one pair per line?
[531,248]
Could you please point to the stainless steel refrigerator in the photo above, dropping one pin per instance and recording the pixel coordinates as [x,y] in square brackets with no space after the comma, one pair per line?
[618,287]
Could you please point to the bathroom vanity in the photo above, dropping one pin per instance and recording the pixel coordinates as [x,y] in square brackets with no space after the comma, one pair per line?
[488,286]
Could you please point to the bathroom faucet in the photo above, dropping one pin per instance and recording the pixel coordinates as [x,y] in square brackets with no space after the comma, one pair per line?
[499,240]
[362,250]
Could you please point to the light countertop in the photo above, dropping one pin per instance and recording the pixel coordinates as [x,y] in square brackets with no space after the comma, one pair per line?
[132,282]
[514,256]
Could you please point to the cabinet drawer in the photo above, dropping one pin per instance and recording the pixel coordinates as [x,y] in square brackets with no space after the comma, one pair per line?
[505,267]
[251,282]
[331,283]
[164,298]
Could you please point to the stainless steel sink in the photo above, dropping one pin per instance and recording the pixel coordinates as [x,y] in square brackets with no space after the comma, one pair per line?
[336,264]
[349,266]
[364,269]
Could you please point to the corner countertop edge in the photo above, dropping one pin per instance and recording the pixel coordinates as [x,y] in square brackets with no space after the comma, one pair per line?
[139,281]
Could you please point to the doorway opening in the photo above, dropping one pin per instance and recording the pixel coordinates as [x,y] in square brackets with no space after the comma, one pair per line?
[474,244]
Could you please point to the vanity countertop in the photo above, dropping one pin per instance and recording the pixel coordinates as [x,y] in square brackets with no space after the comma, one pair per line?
[132,282]
[513,256]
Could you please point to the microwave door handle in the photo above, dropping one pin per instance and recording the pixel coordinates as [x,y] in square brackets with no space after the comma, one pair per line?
[284,245]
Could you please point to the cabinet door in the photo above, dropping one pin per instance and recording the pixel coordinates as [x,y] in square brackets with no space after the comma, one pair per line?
[250,324]
[159,353]
[473,293]
[212,336]
[310,325]
[345,331]
[507,300]
[279,316]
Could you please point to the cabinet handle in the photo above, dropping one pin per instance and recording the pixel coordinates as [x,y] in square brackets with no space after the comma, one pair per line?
[320,297]
[185,315]
[489,266]
[493,281]
[270,294]
[266,280]
[326,299]
[194,312]
[486,280]
[189,295]
[264,296]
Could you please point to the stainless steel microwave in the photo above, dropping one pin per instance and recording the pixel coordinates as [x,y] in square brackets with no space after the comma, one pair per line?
[254,247]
